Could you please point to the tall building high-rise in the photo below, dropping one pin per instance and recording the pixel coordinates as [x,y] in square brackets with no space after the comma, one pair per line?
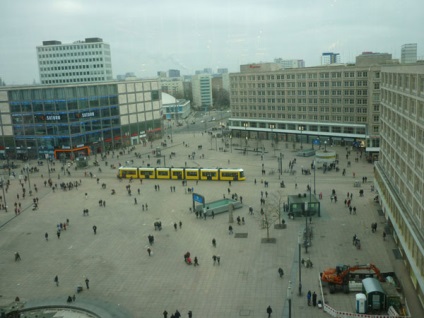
[202,91]
[399,173]
[78,62]
[174,73]
[330,58]
[409,53]
[285,64]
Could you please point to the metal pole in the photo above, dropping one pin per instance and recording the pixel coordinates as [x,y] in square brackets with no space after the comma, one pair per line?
[4,194]
[231,143]
[29,180]
[289,297]
[300,266]
[315,168]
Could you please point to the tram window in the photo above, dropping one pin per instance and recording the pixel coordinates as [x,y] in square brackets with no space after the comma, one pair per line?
[192,173]
[163,173]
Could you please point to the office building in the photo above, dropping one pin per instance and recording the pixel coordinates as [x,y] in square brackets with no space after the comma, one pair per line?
[285,64]
[399,172]
[408,53]
[222,70]
[330,58]
[172,86]
[79,62]
[202,91]
[174,108]
[174,73]
[65,121]
[338,104]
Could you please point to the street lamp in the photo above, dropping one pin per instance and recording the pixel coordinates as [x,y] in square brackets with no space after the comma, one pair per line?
[301,128]
[246,140]
[245,128]
[272,126]
[27,171]
[300,265]
[325,146]
[289,297]
[4,194]
[231,143]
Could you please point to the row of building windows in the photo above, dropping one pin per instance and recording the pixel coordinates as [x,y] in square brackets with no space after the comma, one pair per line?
[318,75]
[71,47]
[345,101]
[335,118]
[359,83]
[409,82]
[60,74]
[311,109]
[79,61]
[324,92]
[73,80]
[57,55]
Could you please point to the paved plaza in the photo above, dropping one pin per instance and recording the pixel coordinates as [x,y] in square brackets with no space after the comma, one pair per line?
[125,281]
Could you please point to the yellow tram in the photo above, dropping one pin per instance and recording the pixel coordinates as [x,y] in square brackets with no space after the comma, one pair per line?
[213,174]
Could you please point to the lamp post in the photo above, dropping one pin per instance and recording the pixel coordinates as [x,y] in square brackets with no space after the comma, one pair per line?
[4,194]
[301,128]
[27,171]
[289,297]
[272,126]
[325,146]
[245,128]
[300,265]
[231,143]
[48,165]
[315,192]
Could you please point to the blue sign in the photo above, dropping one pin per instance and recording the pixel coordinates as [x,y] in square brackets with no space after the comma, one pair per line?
[198,198]
[316,142]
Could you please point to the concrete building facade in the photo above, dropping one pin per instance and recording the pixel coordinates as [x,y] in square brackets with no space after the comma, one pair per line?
[68,120]
[335,103]
[408,53]
[79,62]
[330,58]
[202,91]
[285,64]
[174,86]
[173,108]
[399,173]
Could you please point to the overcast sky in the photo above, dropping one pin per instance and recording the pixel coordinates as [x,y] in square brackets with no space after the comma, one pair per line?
[151,35]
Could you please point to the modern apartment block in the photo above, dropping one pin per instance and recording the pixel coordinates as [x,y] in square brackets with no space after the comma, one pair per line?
[333,103]
[64,121]
[330,58]
[285,64]
[408,53]
[202,91]
[79,62]
[399,173]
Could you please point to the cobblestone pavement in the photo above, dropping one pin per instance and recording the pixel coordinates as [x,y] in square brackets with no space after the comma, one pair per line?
[126,282]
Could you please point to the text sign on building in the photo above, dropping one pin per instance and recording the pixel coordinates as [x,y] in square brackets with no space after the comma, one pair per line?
[52,117]
[87,114]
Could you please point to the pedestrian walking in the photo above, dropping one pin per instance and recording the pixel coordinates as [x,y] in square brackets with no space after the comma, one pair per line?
[175,226]
[269,311]
[165,314]
[354,210]
[95,229]
[213,242]
[196,261]
[190,314]
[56,280]
[181,225]
[149,251]
[281,272]
[309,296]
[214,259]
[17,257]
[135,200]
[87,283]
[314,299]
[218,259]
[46,236]
[230,230]
[58,233]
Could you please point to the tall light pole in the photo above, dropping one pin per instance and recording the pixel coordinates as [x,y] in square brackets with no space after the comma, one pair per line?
[29,180]
[289,297]
[315,191]
[325,146]
[272,126]
[231,143]
[245,129]
[4,194]
[301,128]
[300,265]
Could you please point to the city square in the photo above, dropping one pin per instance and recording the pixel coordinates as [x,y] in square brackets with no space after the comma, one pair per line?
[126,282]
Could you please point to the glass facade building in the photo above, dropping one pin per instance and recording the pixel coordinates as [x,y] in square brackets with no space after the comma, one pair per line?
[77,119]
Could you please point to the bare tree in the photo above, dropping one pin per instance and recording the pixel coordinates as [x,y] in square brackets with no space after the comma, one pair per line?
[276,204]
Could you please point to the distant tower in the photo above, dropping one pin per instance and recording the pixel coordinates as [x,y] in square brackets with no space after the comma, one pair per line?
[174,73]
[79,62]
[330,58]
[409,53]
